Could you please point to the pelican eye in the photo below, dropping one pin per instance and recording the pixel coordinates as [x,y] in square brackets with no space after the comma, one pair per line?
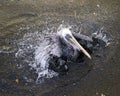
[68,37]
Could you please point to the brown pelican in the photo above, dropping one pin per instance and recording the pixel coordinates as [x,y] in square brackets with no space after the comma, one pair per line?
[66,36]
[62,47]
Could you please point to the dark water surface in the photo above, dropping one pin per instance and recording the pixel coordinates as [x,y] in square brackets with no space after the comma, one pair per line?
[22,22]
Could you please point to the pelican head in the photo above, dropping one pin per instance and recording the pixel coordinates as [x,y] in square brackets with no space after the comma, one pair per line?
[66,35]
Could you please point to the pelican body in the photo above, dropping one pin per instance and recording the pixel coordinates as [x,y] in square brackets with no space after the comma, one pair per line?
[65,46]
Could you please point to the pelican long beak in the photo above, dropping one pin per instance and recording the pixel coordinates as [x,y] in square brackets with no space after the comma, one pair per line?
[80,47]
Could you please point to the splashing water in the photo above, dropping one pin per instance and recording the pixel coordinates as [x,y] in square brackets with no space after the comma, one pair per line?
[34,49]
[102,35]
[41,57]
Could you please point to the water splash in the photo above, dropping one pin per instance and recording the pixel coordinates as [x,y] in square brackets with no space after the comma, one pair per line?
[34,48]
[103,35]
[41,61]
[32,52]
